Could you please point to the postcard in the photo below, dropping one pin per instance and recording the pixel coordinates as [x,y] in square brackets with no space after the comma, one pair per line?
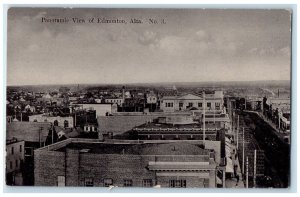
[148,97]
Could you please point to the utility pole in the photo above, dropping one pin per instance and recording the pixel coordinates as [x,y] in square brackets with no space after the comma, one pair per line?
[203,117]
[243,161]
[237,133]
[254,170]
[247,172]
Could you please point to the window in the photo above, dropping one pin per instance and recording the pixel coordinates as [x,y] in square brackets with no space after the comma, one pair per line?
[20,148]
[169,104]
[208,104]
[29,151]
[127,183]
[107,182]
[177,183]
[66,124]
[180,104]
[61,181]
[206,183]
[88,182]
[217,105]
[147,183]
[12,150]
[55,123]
[17,163]
[199,104]
[190,105]
[10,165]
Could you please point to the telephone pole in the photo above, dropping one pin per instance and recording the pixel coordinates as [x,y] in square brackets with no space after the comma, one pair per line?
[254,170]
[247,172]
[243,161]
[203,117]
[237,133]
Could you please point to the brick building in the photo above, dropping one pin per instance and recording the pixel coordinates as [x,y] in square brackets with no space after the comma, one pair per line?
[83,162]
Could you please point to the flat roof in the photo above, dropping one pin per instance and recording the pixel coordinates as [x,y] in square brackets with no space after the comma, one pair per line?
[195,125]
[174,148]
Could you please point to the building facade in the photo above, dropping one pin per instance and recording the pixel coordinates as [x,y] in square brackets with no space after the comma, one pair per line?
[14,161]
[118,101]
[213,102]
[78,162]
[65,122]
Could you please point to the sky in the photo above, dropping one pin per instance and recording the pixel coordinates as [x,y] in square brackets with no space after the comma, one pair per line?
[194,45]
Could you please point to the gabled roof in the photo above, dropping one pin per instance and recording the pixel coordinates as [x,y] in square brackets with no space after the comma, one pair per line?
[189,97]
[183,97]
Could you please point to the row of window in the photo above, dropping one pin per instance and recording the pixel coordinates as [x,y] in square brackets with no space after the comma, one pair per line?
[89,128]
[89,182]
[114,101]
[217,105]
[129,183]
[169,104]
[152,98]
[66,123]
[17,164]
[13,149]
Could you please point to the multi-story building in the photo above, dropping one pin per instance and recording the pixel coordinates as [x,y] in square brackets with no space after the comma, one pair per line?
[62,121]
[82,162]
[102,109]
[212,101]
[118,101]
[31,135]
[14,161]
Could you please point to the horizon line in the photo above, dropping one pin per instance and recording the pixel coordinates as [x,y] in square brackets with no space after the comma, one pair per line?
[132,83]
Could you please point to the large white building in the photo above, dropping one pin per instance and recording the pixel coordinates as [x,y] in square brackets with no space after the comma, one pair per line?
[118,101]
[66,122]
[213,102]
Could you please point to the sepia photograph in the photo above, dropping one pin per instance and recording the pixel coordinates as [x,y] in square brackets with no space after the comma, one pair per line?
[148,98]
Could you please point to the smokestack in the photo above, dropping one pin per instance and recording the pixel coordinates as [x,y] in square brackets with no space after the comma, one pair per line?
[123,92]
[123,97]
